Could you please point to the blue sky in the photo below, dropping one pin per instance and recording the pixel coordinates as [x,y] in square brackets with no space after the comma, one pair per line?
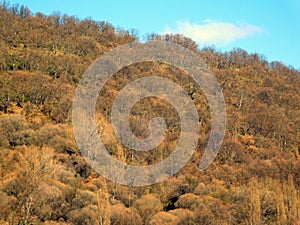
[271,28]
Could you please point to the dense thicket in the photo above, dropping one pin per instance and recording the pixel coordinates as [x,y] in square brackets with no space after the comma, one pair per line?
[255,178]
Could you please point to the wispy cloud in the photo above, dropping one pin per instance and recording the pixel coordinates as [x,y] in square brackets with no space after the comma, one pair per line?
[214,32]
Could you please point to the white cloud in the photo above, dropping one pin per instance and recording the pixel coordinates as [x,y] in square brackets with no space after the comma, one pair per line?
[214,32]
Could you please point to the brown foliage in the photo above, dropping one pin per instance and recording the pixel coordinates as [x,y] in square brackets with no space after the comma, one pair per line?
[43,179]
[147,206]
[120,215]
[164,218]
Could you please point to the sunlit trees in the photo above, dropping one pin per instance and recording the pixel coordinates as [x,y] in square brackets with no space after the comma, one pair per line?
[164,218]
[254,203]
[120,215]
[45,180]
[147,206]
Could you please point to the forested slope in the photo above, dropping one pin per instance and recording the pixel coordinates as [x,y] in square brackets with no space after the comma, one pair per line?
[255,178]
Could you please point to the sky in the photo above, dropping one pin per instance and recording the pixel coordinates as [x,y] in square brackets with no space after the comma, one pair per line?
[270,28]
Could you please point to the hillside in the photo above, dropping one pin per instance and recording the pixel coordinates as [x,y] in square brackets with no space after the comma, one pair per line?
[255,178]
